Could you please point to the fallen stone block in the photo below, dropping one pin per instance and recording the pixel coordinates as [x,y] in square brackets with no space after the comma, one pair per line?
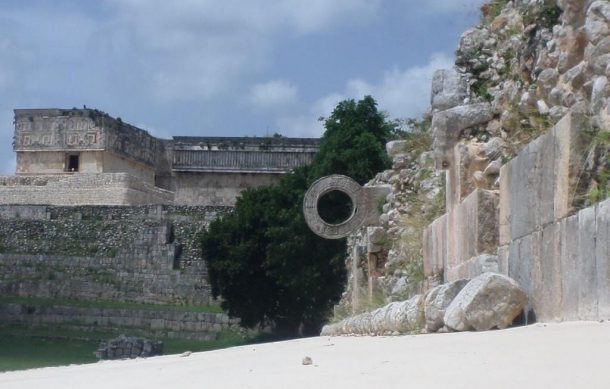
[488,301]
[402,317]
[437,301]
[407,316]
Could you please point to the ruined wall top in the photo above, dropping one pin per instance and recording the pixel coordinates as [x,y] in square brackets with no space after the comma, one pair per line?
[90,129]
[275,143]
[83,129]
[242,154]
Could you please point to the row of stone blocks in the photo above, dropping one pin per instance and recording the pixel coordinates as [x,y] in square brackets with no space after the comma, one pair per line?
[525,230]
[82,189]
[127,347]
[565,266]
[462,235]
[156,322]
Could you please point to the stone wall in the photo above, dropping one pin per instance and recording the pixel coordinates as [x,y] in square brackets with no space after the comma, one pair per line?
[531,230]
[520,129]
[148,254]
[81,189]
[218,189]
[153,323]
[565,266]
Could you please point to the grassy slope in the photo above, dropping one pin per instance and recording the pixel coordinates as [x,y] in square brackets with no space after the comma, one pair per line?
[42,347]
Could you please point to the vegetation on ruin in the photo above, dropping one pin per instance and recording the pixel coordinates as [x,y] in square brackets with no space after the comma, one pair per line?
[264,261]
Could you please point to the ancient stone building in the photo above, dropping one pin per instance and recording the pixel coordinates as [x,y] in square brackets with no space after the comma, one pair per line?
[100,210]
[86,157]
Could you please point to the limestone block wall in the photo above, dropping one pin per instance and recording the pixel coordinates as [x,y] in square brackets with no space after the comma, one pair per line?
[219,189]
[565,266]
[536,187]
[147,254]
[81,189]
[561,259]
[113,163]
[43,162]
[529,231]
[153,323]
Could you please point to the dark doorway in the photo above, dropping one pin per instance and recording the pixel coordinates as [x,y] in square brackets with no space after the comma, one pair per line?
[72,163]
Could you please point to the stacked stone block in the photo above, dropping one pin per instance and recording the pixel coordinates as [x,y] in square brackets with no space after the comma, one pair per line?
[81,189]
[146,254]
[561,259]
[125,347]
[156,323]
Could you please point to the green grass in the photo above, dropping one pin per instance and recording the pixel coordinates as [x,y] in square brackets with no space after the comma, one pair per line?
[18,353]
[108,304]
[27,348]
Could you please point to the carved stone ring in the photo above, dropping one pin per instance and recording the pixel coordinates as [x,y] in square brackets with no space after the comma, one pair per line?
[331,184]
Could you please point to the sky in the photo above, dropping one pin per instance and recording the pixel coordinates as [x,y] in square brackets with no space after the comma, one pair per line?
[223,67]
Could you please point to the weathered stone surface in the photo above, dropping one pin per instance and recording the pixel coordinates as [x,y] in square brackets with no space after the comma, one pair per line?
[449,89]
[435,247]
[99,151]
[376,235]
[546,275]
[587,290]
[116,253]
[540,180]
[396,147]
[328,184]
[409,316]
[602,259]
[471,42]
[473,267]
[127,347]
[397,317]
[597,23]
[547,79]
[364,203]
[436,302]
[464,172]
[446,126]
[81,189]
[570,277]
[154,323]
[488,301]
[472,230]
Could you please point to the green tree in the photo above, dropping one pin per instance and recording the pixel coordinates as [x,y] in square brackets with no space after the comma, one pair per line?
[354,141]
[269,268]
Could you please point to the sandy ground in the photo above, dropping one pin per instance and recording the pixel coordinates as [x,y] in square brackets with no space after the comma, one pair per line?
[567,355]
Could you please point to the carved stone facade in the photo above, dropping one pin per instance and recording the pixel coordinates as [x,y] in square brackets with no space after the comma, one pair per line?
[63,145]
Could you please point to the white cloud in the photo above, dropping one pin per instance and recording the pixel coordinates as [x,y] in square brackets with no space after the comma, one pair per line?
[452,5]
[316,15]
[401,93]
[273,94]
[204,48]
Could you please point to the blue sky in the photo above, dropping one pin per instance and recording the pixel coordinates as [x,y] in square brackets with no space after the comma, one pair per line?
[230,67]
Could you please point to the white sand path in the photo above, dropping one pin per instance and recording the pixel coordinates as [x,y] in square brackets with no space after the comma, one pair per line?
[566,355]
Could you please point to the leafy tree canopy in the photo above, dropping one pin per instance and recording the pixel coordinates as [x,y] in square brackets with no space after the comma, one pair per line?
[269,268]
